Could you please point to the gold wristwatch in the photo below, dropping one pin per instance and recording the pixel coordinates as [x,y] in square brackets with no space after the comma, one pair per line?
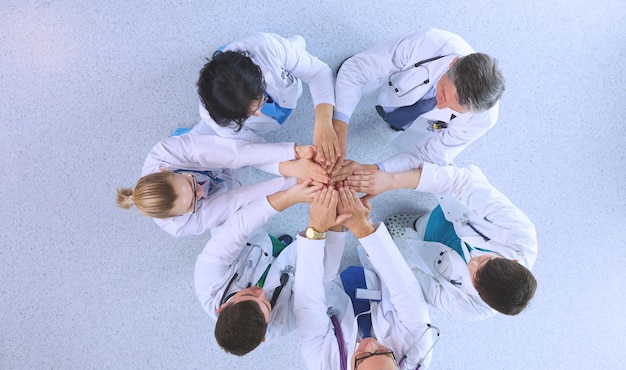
[311,233]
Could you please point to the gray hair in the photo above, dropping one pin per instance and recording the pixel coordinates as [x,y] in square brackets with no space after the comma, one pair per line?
[478,81]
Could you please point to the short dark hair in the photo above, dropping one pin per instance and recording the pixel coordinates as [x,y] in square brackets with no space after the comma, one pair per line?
[478,81]
[229,84]
[240,327]
[505,285]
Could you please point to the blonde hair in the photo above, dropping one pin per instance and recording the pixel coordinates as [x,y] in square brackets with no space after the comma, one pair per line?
[154,195]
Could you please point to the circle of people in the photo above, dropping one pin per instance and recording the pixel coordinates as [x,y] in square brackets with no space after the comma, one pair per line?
[471,255]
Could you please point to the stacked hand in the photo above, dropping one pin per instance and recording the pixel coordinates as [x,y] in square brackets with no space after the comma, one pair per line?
[349,203]
[331,207]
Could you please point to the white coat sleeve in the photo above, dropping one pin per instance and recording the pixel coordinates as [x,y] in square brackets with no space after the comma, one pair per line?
[318,343]
[387,58]
[224,247]
[444,147]
[335,242]
[215,210]
[452,300]
[404,289]
[470,187]
[294,59]
[369,65]
[211,151]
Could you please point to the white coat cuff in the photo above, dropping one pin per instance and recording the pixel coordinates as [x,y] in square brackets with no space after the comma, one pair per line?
[428,180]
[341,117]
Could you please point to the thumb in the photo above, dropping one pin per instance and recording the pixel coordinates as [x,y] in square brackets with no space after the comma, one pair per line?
[342,218]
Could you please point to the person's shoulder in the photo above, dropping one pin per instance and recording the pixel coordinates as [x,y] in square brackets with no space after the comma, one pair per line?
[252,43]
[452,42]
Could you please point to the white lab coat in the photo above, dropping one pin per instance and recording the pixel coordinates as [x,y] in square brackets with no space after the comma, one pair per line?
[285,65]
[210,152]
[466,194]
[242,246]
[398,319]
[367,74]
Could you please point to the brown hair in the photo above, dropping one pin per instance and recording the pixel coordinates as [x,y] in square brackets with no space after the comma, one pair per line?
[154,195]
[240,327]
[505,285]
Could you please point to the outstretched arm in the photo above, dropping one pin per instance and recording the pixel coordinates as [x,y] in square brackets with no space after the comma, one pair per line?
[341,131]
[304,169]
[377,182]
[210,151]
[317,337]
[394,273]
[325,138]
[514,235]
[349,167]
[215,210]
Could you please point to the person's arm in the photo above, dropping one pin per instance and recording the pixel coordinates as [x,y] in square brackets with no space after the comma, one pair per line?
[375,63]
[445,146]
[377,182]
[329,142]
[226,243]
[303,169]
[215,210]
[404,290]
[290,56]
[395,274]
[297,61]
[514,235]
[317,337]
[318,343]
[451,300]
[341,132]
[349,167]
[311,70]
[333,252]
[200,152]
[228,240]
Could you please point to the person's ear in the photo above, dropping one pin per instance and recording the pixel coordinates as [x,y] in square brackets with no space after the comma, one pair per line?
[263,339]
[453,61]
[220,308]
[163,169]
[516,261]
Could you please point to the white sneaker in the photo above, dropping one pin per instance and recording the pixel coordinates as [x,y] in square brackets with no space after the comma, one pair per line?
[397,224]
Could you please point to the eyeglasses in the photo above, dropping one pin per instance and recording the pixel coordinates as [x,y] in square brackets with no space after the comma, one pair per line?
[194,186]
[263,101]
[357,361]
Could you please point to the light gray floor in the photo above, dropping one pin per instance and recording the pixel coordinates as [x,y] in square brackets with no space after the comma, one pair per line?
[87,89]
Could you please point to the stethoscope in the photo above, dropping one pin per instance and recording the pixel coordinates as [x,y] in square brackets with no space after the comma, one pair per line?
[421,64]
[215,178]
[436,267]
[237,275]
[465,221]
[403,364]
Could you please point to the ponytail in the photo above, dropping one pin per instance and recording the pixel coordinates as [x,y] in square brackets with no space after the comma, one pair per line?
[154,195]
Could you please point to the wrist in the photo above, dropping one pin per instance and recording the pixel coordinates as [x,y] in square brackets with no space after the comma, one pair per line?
[279,201]
[406,180]
[363,230]
[360,227]
[314,233]
[287,168]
